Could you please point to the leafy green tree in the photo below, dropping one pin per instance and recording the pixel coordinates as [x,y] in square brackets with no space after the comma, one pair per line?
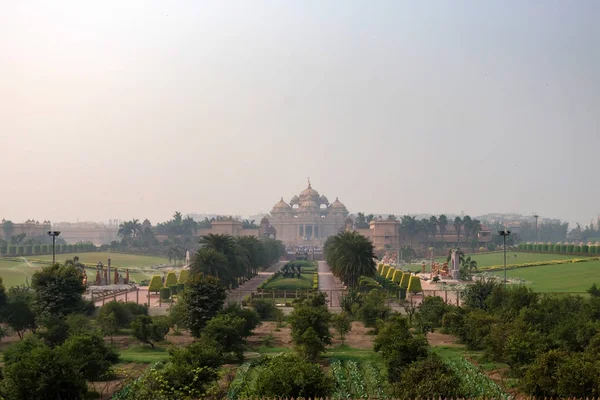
[250,317]
[124,312]
[477,293]
[373,308]
[58,289]
[91,355]
[108,324]
[431,311]
[34,371]
[342,324]
[148,330]
[350,256]
[310,329]
[18,311]
[204,297]
[229,331]
[78,324]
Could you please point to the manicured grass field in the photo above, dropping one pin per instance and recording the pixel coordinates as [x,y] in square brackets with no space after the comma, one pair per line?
[144,354]
[486,260]
[283,283]
[576,277]
[16,271]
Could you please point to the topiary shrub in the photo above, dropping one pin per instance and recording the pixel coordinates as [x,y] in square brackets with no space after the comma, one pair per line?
[405,280]
[577,249]
[570,248]
[35,249]
[21,250]
[28,249]
[3,249]
[414,285]
[171,279]
[592,249]
[557,248]
[390,273]
[12,250]
[165,293]
[69,248]
[44,249]
[585,248]
[397,277]
[563,248]
[183,276]
[180,287]
[155,284]
[173,289]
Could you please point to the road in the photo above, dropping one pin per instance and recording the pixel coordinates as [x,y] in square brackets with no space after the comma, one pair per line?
[329,284]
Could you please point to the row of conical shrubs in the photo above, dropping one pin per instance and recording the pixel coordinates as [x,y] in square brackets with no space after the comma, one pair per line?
[171,281]
[560,248]
[405,280]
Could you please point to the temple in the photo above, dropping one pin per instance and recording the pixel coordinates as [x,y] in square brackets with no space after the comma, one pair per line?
[308,218]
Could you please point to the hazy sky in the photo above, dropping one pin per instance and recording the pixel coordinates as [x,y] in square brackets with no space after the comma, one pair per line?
[121,109]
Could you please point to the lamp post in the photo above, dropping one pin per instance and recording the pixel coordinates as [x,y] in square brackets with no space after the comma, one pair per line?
[504,234]
[54,234]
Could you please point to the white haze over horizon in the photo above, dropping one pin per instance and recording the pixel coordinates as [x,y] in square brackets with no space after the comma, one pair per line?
[137,108]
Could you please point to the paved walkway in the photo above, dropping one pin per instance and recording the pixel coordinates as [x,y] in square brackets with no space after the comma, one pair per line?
[329,284]
[237,295]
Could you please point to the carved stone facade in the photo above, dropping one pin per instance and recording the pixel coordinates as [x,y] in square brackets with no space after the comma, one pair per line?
[308,218]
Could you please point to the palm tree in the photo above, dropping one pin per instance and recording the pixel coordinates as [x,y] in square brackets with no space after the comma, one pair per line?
[467,267]
[442,223]
[425,224]
[475,228]
[458,227]
[136,227]
[255,249]
[350,256]
[410,225]
[468,226]
[211,262]
[237,257]
[433,225]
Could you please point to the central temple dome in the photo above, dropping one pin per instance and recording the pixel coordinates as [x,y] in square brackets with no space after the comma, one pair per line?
[309,194]
[308,206]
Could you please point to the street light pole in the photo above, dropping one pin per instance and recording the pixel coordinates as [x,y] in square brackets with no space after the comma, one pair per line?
[54,234]
[504,234]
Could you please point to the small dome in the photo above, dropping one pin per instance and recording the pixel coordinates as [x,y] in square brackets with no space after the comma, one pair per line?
[282,206]
[309,206]
[338,206]
[323,200]
[295,200]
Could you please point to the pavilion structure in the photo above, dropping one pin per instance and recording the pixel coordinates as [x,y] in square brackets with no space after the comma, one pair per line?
[308,218]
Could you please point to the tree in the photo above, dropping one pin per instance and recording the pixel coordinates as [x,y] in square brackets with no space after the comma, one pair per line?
[34,371]
[410,225]
[342,324]
[249,315]
[91,355]
[18,312]
[211,262]
[148,330]
[458,224]
[467,267]
[442,223]
[58,289]
[467,224]
[350,256]
[108,324]
[237,258]
[310,329]
[427,378]
[204,297]
[229,332]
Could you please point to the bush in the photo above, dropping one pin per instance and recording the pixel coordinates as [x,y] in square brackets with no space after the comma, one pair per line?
[229,331]
[165,293]
[310,329]
[12,250]
[431,311]
[124,312]
[585,248]
[563,248]
[592,249]
[373,308]
[428,378]
[264,308]
[204,296]
[155,284]
[91,354]
[577,249]
[414,285]
[250,316]
[570,248]
[173,289]
[21,250]
[556,248]
[171,279]
[273,379]
[35,249]
[180,287]
[183,276]
[405,280]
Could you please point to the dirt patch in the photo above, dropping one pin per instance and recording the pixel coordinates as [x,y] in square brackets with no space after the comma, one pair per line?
[358,337]
[441,339]
[180,340]
[125,373]
[281,338]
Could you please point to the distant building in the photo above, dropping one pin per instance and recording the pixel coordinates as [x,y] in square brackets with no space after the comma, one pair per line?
[29,228]
[94,232]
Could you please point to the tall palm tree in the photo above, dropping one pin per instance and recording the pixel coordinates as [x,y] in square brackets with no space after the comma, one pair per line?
[350,256]
[136,227]
[237,257]
[468,226]
[255,250]
[458,227]
[433,226]
[410,225]
[475,228]
[442,223]
[211,262]
[426,226]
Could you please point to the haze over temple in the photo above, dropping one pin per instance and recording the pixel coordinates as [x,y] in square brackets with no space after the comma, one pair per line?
[308,218]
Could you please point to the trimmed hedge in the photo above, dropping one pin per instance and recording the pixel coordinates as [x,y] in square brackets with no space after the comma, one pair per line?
[171,279]
[165,293]
[315,284]
[155,284]
[390,273]
[397,277]
[183,276]
[539,263]
[577,249]
[414,285]
[405,279]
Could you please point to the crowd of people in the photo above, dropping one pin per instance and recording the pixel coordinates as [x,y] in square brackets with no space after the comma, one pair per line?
[304,249]
[390,257]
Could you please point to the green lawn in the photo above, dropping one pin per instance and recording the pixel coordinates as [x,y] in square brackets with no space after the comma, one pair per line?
[17,270]
[486,260]
[282,283]
[144,354]
[576,277]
